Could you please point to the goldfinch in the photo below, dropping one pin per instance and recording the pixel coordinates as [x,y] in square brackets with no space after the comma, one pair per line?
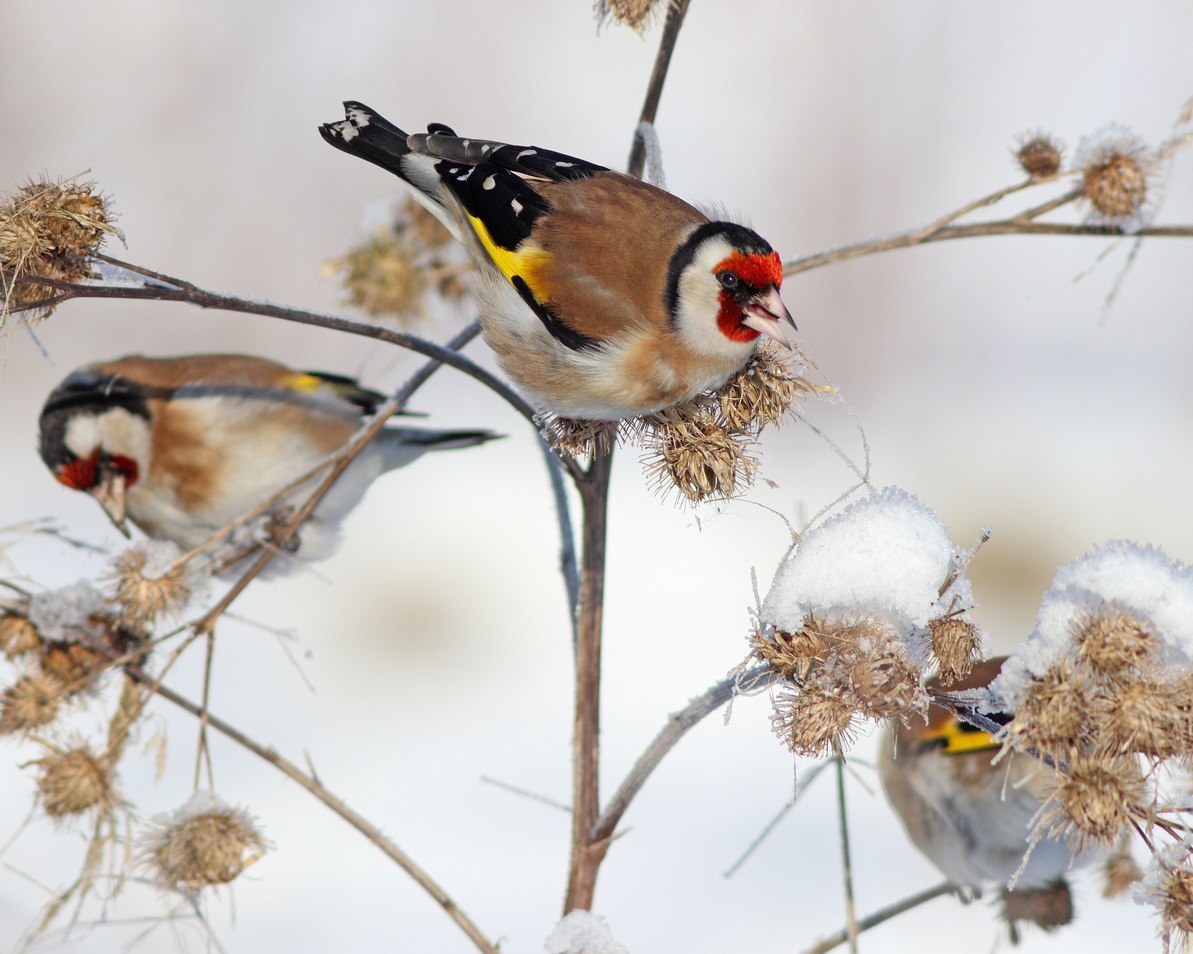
[973,819]
[184,446]
[602,297]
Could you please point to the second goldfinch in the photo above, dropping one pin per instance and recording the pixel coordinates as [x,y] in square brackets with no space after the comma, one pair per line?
[973,817]
[603,297]
[184,446]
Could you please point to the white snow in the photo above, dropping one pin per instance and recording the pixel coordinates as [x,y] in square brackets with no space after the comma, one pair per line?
[885,556]
[63,614]
[582,932]
[1140,580]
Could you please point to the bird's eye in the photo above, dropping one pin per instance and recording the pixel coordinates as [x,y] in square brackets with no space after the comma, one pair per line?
[728,280]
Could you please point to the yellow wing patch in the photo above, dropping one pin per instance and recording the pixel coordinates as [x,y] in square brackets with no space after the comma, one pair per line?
[525,262]
[298,381]
[957,740]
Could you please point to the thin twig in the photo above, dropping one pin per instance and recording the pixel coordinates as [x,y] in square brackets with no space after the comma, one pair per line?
[888,243]
[677,726]
[357,821]
[881,915]
[654,90]
[851,926]
[177,290]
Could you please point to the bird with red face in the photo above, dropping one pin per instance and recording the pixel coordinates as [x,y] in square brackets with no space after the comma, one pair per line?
[602,296]
[184,446]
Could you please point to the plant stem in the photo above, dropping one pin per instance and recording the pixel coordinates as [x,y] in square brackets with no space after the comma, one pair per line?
[587,852]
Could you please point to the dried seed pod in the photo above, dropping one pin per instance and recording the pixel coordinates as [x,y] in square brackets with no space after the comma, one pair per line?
[206,842]
[1039,155]
[18,636]
[812,722]
[956,644]
[74,780]
[31,702]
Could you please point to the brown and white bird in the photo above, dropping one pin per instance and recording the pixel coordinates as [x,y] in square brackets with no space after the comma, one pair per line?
[184,446]
[603,297]
[973,818]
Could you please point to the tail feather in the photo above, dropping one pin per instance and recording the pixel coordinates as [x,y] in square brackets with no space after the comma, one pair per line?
[401,445]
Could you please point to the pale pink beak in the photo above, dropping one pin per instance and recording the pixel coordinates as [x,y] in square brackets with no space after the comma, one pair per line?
[109,494]
[768,315]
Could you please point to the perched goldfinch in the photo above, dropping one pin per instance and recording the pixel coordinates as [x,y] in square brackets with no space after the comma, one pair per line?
[602,297]
[974,819]
[184,446]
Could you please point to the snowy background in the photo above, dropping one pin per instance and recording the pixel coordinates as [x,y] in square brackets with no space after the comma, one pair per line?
[987,377]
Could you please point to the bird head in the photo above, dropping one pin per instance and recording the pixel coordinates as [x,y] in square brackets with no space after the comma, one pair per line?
[731,275]
[95,437]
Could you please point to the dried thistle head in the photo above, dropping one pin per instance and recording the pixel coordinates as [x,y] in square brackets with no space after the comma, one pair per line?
[1054,715]
[760,393]
[74,665]
[1119,872]
[884,681]
[1039,155]
[1146,717]
[382,277]
[636,14]
[49,229]
[205,842]
[812,722]
[579,438]
[1116,169]
[956,644]
[1093,799]
[70,781]
[1049,907]
[32,701]
[1167,886]
[791,654]
[1113,644]
[423,226]
[149,582]
[687,447]
[18,636]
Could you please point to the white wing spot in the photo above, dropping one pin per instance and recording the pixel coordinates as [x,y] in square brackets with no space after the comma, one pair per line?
[564,165]
[358,117]
[516,206]
[486,147]
[489,183]
[525,152]
[464,143]
[347,131]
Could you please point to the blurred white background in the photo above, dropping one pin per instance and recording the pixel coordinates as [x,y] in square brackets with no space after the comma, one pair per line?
[988,380]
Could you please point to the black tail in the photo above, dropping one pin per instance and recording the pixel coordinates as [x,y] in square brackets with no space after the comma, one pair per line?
[364,134]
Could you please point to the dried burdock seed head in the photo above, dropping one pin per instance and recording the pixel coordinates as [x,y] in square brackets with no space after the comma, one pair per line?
[48,229]
[1167,886]
[74,780]
[1145,717]
[18,636]
[1116,167]
[1119,873]
[636,14]
[812,722]
[1094,799]
[424,228]
[791,654]
[688,448]
[1113,644]
[1054,716]
[74,665]
[1049,907]
[761,393]
[31,702]
[1039,155]
[382,277]
[956,644]
[150,583]
[577,438]
[885,682]
[205,842]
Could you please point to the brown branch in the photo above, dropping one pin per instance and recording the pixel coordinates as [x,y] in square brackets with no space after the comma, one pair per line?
[676,12]
[851,925]
[316,788]
[587,853]
[677,726]
[843,253]
[884,914]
